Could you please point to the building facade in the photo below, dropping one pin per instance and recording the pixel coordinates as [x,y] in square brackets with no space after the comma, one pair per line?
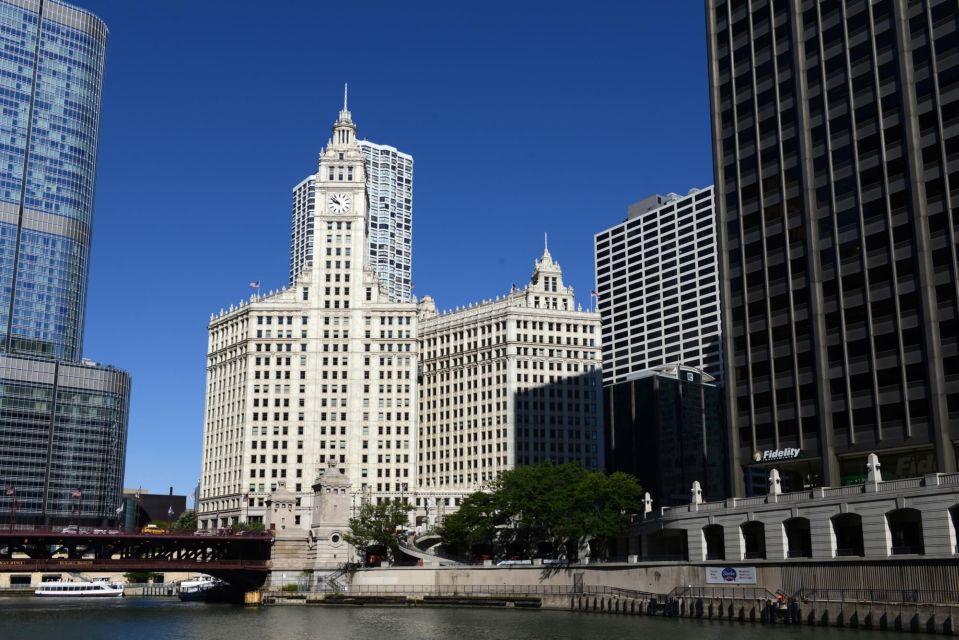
[657,281]
[507,382]
[833,129]
[389,179]
[320,375]
[665,426]
[63,420]
[389,186]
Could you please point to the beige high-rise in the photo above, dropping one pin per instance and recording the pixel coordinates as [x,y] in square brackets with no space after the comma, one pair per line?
[318,375]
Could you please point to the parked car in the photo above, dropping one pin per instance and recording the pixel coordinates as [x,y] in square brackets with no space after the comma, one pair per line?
[73,528]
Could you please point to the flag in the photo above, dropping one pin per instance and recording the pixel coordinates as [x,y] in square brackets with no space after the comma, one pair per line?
[246,497]
[9,491]
[120,508]
[255,284]
[76,493]
[169,512]
[595,294]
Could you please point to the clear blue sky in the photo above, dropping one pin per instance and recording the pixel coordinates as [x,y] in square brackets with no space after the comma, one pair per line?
[522,117]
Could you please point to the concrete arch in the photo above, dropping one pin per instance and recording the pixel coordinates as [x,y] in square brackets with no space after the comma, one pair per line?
[753,538]
[714,542]
[846,533]
[798,538]
[904,528]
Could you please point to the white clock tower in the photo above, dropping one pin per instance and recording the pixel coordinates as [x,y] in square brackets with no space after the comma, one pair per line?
[326,370]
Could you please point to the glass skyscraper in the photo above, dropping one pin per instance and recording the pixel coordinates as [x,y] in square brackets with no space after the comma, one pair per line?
[63,422]
[51,77]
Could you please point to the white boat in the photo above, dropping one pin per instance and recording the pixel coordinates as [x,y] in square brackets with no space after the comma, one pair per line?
[199,589]
[98,589]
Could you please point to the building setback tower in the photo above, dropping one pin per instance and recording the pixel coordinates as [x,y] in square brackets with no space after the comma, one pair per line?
[389,183]
[658,284]
[63,421]
[389,179]
[834,130]
[507,382]
[320,375]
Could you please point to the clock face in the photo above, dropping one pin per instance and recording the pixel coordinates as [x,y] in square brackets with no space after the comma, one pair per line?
[340,202]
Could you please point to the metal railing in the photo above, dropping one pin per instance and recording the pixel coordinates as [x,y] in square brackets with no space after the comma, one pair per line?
[722,591]
[487,590]
[86,531]
[891,596]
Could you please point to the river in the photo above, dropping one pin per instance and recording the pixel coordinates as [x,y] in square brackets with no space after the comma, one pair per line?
[169,619]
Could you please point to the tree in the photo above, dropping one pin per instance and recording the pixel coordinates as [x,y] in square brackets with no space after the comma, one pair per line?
[248,526]
[476,522]
[186,521]
[604,506]
[542,509]
[375,525]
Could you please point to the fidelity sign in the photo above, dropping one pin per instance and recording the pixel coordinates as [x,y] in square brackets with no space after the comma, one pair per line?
[776,454]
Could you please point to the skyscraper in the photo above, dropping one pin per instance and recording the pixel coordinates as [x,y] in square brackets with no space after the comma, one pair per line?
[389,179]
[319,376]
[389,184]
[657,281]
[62,421]
[835,126]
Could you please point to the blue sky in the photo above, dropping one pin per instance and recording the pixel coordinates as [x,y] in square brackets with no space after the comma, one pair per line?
[522,118]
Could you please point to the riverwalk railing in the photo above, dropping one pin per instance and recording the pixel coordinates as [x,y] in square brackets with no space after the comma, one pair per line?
[895,596]
[713,592]
[488,590]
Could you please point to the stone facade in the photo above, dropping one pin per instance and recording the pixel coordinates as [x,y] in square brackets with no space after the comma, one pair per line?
[319,374]
[506,382]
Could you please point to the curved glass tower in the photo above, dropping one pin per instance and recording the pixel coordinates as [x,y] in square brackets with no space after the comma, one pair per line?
[51,79]
[63,421]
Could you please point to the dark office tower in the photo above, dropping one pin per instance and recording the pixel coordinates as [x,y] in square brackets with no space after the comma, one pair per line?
[836,141]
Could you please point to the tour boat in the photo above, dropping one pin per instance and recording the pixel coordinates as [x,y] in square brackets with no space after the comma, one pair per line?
[98,589]
[198,590]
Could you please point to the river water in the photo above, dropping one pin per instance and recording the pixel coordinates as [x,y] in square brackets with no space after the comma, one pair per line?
[170,619]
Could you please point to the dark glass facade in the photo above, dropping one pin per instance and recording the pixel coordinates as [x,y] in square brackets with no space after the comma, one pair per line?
[62,427]
[665,427]
[836,148]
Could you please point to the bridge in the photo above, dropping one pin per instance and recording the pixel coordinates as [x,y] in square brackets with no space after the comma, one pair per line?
[241,558]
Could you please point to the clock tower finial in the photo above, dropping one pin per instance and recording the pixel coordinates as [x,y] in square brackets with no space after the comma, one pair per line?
[344,130]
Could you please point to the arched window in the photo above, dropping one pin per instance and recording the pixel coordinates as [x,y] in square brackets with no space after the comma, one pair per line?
[714,543]
[905,531]
[798,538]
[754,539]
[847,535]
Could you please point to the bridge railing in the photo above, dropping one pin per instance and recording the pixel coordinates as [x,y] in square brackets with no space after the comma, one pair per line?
[84,530]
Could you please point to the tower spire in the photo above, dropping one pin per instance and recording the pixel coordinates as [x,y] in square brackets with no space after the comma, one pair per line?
[346,87]
[545,242]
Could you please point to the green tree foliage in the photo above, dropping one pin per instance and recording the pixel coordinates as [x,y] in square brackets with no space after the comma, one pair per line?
[247,526]
[186,521]
[375,525]
[544,506]
[475,523]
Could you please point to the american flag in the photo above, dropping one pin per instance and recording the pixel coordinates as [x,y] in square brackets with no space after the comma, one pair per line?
[9,491]
[246,497]
[255,284]
[76,493]
[594,293]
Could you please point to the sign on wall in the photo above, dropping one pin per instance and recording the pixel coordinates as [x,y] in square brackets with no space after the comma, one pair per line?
[730,575]
[770,455]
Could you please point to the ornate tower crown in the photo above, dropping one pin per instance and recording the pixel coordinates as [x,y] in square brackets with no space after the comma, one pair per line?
[344,130]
